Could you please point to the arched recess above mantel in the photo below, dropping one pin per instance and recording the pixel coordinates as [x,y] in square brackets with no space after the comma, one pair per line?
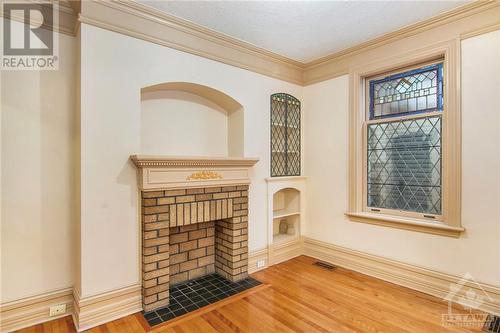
[216,96]
[185,118]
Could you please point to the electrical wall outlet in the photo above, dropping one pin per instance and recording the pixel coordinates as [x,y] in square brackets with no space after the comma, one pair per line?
[57,310]
[261,263]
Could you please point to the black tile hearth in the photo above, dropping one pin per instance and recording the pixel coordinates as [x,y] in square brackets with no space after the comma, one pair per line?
[195,294]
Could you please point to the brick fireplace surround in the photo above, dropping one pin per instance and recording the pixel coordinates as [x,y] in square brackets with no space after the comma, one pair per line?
[189,233]
[194,222]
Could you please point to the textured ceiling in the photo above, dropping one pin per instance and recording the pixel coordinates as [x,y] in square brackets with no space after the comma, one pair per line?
[304,30]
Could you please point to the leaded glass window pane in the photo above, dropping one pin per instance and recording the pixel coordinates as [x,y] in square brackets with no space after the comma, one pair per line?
[404,165]
[285,135]
[416,91]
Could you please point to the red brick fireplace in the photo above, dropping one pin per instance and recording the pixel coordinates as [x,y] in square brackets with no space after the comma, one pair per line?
[194,221]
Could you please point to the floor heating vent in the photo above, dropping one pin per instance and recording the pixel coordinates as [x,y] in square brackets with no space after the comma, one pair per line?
[324,265]
[492,324]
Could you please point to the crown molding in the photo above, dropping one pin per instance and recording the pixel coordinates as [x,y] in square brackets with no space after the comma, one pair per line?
[67,16]
[462,22]
[143,22]
[207,33]
[68,20]
[140,21]
[439,20]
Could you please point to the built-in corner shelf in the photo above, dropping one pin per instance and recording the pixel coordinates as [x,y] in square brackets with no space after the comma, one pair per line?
[278,214]
[286,202]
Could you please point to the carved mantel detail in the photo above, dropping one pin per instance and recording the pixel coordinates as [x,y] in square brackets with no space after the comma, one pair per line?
[204,175]
[204,200]
[164,172]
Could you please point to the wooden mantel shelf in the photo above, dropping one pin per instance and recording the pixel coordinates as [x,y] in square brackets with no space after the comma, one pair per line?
[161,161]
[169,172]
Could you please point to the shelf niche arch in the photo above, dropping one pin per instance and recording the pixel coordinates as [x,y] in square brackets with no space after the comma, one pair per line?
[190,119]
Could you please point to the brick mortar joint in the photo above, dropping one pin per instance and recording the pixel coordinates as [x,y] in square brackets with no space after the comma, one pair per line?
[210,256]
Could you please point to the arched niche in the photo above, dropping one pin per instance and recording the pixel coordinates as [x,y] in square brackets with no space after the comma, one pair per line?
[189,119]
[286,213]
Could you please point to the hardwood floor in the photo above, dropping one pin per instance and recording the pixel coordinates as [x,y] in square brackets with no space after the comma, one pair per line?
[299,297]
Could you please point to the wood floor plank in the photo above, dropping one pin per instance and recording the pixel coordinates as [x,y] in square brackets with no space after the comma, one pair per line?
[298,296]
[219,323]
[335,306]
[287,313]
[243,314]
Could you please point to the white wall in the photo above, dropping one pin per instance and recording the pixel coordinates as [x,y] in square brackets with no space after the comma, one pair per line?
[478,251]
[236,133]
[114,68]
[182,124]
[37,150]
[37,118]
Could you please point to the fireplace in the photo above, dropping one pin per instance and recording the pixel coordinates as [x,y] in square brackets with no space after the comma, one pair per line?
[194,221]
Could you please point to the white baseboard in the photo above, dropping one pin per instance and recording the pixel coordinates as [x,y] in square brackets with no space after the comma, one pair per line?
[254,257]
[33,310]
[285,251]
[86,312]
[274,254]
[96,310]
[421,279]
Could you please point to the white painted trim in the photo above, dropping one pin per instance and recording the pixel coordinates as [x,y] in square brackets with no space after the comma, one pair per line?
[255,256]
[146,23]
[285,251]
[406,223]
[99,309]
[163,161]
[275,254]
[33,310]
[449,53]
[157,172]
[67,19]
[414,277]
[141,21]
[274,185]
[474,18]
[87,312]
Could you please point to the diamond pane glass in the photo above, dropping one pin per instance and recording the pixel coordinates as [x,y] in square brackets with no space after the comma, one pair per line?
[285,135]
[404,165]
[415,91]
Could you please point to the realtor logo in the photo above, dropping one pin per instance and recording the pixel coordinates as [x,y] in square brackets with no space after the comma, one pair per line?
[30,41]
[471,296]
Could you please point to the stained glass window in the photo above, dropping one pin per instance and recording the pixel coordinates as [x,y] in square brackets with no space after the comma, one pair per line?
[404,165]
[404,155]
[285,135]
[415,91]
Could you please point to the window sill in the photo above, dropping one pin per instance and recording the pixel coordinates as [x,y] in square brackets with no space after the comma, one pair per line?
[412,224]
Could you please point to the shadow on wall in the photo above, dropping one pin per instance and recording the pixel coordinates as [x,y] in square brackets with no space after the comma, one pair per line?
[188,119]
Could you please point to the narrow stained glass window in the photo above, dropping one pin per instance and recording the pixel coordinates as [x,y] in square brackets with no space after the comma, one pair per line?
[416,91]
[285,135]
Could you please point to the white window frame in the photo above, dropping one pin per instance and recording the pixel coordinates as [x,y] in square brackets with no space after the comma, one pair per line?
[448,223]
